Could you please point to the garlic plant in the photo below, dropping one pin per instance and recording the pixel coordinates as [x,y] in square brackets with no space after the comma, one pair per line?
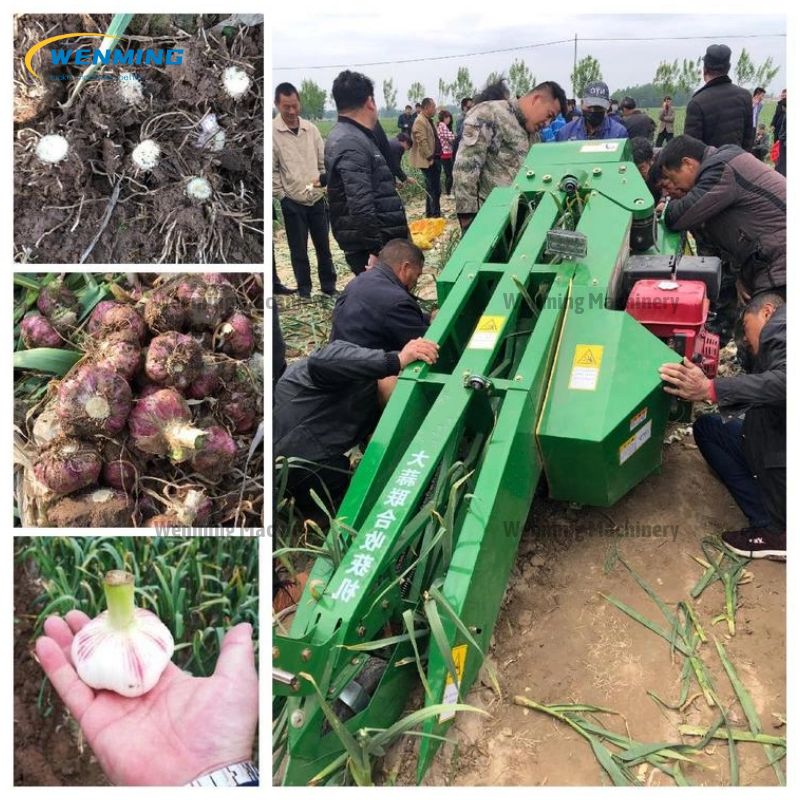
[146,154]
[130,89]
[198,189]
[52,148]
[236,82]
[125,649]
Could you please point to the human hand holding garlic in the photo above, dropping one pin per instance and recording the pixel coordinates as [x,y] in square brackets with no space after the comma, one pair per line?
[182,728]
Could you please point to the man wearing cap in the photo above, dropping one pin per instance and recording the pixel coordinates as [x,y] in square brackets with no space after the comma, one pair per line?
[594,123]
[720,112]
[637,123]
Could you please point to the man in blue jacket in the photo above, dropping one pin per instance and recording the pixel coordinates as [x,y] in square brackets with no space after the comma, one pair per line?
[594,123]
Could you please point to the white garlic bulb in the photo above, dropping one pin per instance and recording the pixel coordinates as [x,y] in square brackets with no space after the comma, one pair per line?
[130,88]
[198,189]
[236,82]
[125,649]
[52,148]
[146,154]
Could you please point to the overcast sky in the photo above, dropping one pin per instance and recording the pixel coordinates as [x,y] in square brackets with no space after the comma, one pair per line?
[385,32]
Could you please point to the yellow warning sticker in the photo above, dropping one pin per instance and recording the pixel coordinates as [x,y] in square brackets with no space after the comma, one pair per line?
[459,656]
[588,355]
[630,446]
[586,367]
[486,332]
[639,418]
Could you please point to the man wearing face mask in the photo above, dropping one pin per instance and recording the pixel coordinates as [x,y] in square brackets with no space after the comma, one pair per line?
[496,138]
[377,309]
[595,122]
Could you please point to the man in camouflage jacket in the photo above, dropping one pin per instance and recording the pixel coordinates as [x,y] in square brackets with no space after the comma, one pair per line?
[497,137]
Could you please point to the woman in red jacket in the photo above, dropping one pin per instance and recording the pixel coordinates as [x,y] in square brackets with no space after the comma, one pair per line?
[446,137]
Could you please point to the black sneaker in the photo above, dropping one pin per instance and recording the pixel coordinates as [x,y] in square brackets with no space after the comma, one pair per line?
[331,292]
[279,288]
[756,543]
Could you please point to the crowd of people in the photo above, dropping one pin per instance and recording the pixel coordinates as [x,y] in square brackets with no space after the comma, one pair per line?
[712,181]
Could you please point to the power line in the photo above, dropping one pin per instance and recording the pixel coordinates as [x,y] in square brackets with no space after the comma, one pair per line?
[533,47]
[429,58]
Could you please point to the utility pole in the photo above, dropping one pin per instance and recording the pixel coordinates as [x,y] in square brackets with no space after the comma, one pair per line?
[574,65]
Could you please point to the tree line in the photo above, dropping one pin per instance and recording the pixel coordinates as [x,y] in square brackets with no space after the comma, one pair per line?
[679,79]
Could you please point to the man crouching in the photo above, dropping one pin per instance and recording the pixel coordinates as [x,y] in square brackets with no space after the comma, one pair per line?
[745,443]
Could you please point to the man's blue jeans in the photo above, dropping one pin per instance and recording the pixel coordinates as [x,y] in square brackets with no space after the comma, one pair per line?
[721,445]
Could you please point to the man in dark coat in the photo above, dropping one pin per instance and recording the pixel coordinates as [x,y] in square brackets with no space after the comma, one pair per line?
[398,146]
[405,121]
[328,403]
[720,112]
[366,211]
[738,203]
[780,113]
[748,454]
[377,309]
[636,122]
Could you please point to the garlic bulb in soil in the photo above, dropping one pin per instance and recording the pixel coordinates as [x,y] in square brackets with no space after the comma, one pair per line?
[52,148]
[173,359]
[235,336]
[217,454]
[146,155]
[120,353]
[163,312]
[93,400]
[161,425]
[125,649]
[198,189]
[109,316]
[236,82]
[36,331]
[68,465]
[207,300]
[95,508]
[130,88]
[60,305]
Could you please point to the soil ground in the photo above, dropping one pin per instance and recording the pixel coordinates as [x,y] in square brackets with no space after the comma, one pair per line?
[557,640]
[95,206]
[48,750]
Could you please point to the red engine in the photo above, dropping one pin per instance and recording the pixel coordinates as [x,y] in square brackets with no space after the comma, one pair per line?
[676,312]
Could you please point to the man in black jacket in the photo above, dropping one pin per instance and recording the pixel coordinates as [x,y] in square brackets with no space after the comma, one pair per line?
[377,309]
[405,121]
[366,211]
[736,202]
[720,112]
[328,403]
[748,455]
[636,122]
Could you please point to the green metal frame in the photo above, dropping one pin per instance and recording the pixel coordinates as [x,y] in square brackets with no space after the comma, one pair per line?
[524,321]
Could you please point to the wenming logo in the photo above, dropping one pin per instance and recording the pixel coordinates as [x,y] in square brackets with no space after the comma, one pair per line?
[88,56]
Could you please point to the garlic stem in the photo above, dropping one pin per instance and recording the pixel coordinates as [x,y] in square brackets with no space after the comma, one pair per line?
[118,588]
[182,440]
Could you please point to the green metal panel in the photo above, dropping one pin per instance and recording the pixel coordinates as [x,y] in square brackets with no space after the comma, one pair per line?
[605,390]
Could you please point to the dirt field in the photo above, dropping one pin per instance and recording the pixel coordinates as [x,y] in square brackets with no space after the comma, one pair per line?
[558,640]
[48,750]
[95,205]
